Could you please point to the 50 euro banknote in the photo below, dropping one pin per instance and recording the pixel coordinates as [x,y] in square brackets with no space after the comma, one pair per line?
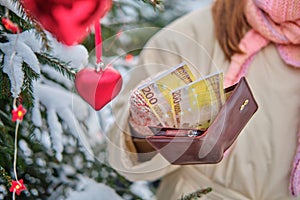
[157,94]
[196,104]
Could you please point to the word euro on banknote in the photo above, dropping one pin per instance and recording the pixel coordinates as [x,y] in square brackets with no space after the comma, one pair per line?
[196,104]
[156,92]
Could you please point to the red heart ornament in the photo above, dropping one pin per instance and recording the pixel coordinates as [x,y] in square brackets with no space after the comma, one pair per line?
[67,20]
[98,88]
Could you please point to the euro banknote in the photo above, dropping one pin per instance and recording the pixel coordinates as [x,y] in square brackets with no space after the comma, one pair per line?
[157,94]
[196,104]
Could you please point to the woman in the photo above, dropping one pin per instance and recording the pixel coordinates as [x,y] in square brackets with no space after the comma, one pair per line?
[253,38]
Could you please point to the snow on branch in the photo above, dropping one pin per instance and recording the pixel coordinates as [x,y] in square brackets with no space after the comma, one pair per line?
[55,132]
[19,50]
[71,110]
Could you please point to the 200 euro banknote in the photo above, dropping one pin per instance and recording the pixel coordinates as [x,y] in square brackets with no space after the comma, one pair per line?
[196,104]
[157,91]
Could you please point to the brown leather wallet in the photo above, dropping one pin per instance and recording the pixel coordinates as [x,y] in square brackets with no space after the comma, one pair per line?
[185,146]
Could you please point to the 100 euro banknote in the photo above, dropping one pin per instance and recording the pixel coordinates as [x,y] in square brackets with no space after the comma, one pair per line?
[157,91]
[196,104]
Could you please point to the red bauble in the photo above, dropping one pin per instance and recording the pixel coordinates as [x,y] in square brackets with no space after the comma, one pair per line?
[98,88]
[67,20]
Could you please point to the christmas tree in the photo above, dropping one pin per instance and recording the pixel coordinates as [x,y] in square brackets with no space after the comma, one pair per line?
[50,148]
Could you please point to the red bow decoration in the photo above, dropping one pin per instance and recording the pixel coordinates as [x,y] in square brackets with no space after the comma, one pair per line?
[67,20]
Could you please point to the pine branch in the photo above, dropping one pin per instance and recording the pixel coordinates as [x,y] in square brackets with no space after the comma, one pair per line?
[22,23]
[42,35]
[27,88]
[5,117]
[4,175]
[4,86]
[197,194]
[57,64]
[18,5]
[26,22]
[33,23]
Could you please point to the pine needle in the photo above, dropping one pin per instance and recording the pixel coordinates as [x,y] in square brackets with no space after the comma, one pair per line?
[57,64]
[197,194]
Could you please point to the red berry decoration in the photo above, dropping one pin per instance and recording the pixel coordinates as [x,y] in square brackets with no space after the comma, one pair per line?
[18,113]
[9,25]
[17,186]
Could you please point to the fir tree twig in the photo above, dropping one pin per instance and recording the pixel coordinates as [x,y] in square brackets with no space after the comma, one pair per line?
[4,175]
[27,21]
[42,34]
[197,194]
[57,64]
[27,88]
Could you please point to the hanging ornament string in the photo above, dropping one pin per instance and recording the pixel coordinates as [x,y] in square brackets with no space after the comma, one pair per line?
[17,116]
[18,113]
[15,110]
[104,83]
[98,46]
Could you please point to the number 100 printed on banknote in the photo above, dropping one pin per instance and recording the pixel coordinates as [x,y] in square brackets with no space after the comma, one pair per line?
[157,92]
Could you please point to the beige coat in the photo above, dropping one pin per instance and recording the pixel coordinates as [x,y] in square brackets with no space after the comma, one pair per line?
[260,164]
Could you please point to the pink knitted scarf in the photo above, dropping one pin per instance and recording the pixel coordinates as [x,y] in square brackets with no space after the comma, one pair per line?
[277,22]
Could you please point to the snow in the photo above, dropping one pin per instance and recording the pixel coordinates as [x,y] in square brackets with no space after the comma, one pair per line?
[89,189]
[40,162]
[17,50]
[57,76]
[55,132]
[24,147]
[77,55]
[94,130]
[35,113]
[75,128]
[45,139]
[69,107]
[25,44]
[69,170]
[12,66]
[29,38]
[3,191]
[141,189]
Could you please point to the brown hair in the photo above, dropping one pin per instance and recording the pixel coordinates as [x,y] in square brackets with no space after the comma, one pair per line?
[230,24]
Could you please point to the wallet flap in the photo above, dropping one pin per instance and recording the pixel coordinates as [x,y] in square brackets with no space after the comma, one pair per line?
[232,118]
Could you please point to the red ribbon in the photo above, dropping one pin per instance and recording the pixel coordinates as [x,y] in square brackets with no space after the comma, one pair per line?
[98,42]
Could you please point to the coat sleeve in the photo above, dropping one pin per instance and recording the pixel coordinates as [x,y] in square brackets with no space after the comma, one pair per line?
[122,152]
[181,41]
